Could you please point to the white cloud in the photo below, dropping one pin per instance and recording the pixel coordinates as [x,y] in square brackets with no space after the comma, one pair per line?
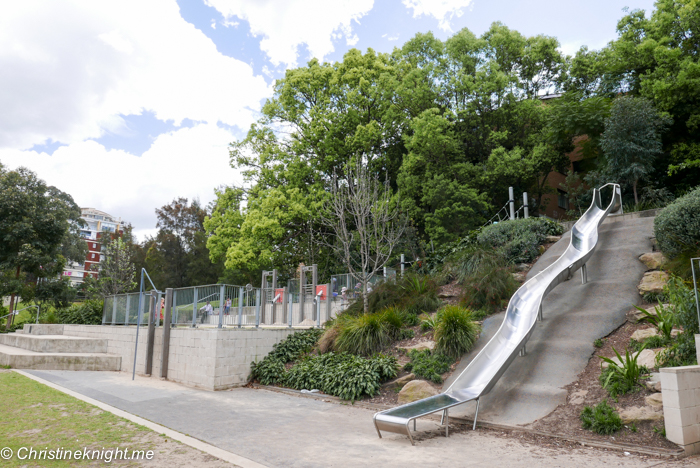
[132,187]
[442,10]
[287,24]
[69,69]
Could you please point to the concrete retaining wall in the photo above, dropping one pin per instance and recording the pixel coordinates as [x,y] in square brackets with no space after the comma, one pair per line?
[680,387]
[212,359]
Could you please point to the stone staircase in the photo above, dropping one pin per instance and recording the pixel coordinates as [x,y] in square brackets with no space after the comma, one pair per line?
[46,347]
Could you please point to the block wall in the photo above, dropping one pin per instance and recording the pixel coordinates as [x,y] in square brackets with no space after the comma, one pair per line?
[680,387]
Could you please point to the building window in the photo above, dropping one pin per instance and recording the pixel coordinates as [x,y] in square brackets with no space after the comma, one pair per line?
[562,199]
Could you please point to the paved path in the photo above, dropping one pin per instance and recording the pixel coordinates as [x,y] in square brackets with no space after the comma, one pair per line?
[279,430]
[574,316]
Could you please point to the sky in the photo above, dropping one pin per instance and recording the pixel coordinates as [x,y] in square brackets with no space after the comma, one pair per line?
[127,105]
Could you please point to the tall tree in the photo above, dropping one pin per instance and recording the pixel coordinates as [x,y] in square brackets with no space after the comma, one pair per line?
[116,269]
[632,140]
[35,220]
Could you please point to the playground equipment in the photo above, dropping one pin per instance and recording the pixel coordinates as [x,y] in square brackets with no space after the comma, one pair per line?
[524,309]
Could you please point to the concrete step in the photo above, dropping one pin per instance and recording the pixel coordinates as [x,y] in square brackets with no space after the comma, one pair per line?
[19,358]
[41,329]
[54,343]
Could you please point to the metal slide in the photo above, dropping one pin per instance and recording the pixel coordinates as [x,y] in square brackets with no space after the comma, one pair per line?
[524,308]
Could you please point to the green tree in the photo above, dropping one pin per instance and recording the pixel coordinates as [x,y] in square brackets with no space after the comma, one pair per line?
[116,270]
[632,140]
[34,222]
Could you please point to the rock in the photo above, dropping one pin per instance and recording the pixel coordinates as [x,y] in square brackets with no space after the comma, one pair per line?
[422,346]
[577,398]
[640,413]
[644,333]
[401,381]
[416,390]
[522,266]
[519,276]
[446,295]
[655,400]
[675,332]
[653,383]
[653,260]
[553,239]
[646,357]
[653,282]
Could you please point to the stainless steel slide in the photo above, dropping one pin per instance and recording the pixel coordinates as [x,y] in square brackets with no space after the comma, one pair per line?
[524,308]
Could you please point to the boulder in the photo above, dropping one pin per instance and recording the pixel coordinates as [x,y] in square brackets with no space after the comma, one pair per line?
[653,282]
[640,413]
[644,333]
[653,260]
[519,276]
[577,398]
[401,381]
[422,346]
[675,332]
[553,239]
[522,267]
[653,383]
[647,358]
[655,400]
[416,390]
[635,315]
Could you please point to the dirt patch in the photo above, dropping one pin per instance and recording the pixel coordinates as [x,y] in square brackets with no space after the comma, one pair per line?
[169,453]
[587,391]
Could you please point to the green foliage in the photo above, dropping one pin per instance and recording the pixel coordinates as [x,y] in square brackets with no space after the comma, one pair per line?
[406,334]
[664,320]
[455,332]
[486,280]
[682,302]
[519,239]
[661,430]
[343,375]
[623,375]
[86,313]
[632,140]
[648,343]
[598,343]
[601,419]
[295,345]
[409,319]
[428,322]
[412,294]
[427,365]
[367,334]
[677,227]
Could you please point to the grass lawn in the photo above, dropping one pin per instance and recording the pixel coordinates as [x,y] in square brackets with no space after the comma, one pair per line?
[37,416]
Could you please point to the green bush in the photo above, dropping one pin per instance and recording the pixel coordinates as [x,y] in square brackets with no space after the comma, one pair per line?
[412,293]
[428,322]
[664,320]
[87,313]
[486,280]
[648,343]
[367,334]
[343,375]
[598,343]
[455,332]
[602,419]
[677,227]
[427,365]
[519,238]
[681,300]
[622,376]
[271,370]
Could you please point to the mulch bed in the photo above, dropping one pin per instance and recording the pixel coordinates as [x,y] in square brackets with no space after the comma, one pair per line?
[565,420]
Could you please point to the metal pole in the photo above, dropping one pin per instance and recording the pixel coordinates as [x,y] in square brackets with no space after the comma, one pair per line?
[476,415]
[194,307]
[138,325]
[114,309]
[511,201]
[302,299]
[222,292]
[128,308]
[152,318]
[38,309]
[584,274]
[402,260]
[240,307]
[695,286]
[274,293]
[257,308]
[527,208]
[174,304]
[318,311]
[290,305]
[167,318]
[329,298]
[285,299]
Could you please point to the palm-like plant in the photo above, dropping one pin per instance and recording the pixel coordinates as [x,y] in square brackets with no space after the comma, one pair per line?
[623,374]
[664,320]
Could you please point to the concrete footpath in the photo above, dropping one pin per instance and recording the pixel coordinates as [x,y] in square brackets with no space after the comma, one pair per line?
[279,430]
[575,315]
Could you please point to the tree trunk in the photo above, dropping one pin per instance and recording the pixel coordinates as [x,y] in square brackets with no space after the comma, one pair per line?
[10,318]
[365,296]
[634,189]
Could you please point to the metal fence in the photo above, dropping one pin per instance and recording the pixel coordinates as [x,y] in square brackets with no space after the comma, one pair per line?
[216,304]
[123,309]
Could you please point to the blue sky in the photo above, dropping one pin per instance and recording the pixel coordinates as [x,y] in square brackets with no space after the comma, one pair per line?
[127,105]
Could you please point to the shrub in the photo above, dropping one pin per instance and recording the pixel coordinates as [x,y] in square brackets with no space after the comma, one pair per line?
[412,293]
[602,419]
[343,375]
[428,365]
[367,334]
[664,320]
[622,376]
[406,334]
[86,313]
[428,322]
[488,284]
[677,227]
[598,343]
[648,343]
[519,238]
[409,319]
[455,332]
[271,370]
[682,302]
